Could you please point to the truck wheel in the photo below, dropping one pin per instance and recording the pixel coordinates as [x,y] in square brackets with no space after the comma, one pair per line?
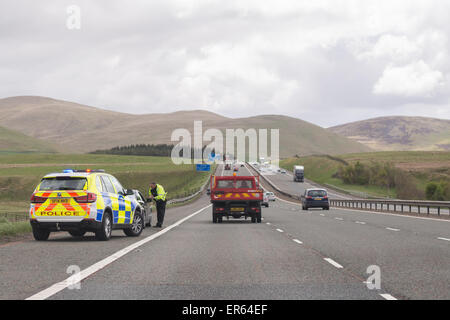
[220,219]
[136,227]
[258,217]
[40,234]
[77,233]
[214,217]
[105,231]
[253,218]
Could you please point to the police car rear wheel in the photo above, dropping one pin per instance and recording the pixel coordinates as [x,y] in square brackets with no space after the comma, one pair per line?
[105,231]
[40,234]
[136,227]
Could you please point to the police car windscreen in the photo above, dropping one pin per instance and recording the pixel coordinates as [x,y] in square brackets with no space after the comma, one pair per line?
[62,183]
[317,193]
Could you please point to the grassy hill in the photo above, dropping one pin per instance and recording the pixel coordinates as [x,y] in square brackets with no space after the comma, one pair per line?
[399,133]
[417,168]
[84,129]
[13,141]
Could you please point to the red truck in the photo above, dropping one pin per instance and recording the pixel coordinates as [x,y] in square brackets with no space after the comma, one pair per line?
[236,197]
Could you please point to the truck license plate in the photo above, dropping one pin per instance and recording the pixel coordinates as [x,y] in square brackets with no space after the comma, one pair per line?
[237,209]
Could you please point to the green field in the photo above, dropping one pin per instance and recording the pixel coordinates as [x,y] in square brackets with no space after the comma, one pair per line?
[420,166]
[20,173]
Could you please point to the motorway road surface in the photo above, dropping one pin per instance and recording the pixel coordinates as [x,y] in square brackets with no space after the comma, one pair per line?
[293,254]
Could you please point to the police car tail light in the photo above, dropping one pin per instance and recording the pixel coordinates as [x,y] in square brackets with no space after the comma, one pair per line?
[88,198]
[37,199]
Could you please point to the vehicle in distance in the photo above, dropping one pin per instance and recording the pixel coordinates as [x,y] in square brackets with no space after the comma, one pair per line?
[315,198]
[270,196]
[227,165]
[283,171]
[265,201]
[236,197]
[146,208]
[299,173]
[236,167]
[80,201]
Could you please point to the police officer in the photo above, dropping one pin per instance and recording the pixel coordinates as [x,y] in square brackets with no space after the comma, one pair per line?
[158,194]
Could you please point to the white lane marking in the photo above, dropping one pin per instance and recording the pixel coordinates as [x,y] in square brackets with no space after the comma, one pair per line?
[268,223]
[445,239]
[298,241]
[387,296]
[334,263]
[392,229]
[46,293]
[360,222]
[339,219]
[279,230]
[388,214]
[322,215]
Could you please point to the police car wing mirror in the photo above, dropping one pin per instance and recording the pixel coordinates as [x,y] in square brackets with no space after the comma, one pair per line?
[128,192]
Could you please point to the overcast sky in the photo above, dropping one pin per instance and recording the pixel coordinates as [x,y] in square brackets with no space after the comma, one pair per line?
[327,62]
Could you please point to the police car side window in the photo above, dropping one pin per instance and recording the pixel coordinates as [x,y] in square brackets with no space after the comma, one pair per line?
[99,184]
[108,184]
[117,185]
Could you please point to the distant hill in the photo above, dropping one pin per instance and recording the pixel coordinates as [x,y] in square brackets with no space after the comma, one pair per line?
[399,133]
[13,141]
[81,128]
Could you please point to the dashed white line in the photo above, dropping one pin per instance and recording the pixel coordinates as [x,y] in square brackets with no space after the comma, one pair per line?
[387,296]
[339,219]
[333,263]
[360,222]
[268,223]
[322,215]
[392,229]
[279,230]
[445,239]
[298,241]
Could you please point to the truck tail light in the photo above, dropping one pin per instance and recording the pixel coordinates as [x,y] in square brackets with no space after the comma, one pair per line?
[256,209]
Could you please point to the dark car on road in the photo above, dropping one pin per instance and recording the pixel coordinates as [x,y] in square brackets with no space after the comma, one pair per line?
[315,198]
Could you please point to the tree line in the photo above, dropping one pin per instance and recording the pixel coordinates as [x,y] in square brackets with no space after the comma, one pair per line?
[155,150]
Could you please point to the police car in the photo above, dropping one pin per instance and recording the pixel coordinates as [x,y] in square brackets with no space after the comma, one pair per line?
[80,201]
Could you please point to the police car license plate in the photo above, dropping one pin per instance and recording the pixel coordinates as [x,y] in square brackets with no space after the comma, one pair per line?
[59,201]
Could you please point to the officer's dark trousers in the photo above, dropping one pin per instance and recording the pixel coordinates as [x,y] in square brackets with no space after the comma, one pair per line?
[160,211]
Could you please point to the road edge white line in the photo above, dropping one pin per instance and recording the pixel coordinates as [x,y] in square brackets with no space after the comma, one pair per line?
[387,296]
[57,287]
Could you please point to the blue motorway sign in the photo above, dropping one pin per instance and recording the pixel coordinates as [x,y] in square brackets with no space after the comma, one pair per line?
[203,167]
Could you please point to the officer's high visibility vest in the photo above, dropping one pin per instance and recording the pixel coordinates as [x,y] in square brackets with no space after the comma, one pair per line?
[161,194]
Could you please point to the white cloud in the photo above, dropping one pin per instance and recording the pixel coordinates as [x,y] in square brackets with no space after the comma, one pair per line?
[346,58]
[413,80]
